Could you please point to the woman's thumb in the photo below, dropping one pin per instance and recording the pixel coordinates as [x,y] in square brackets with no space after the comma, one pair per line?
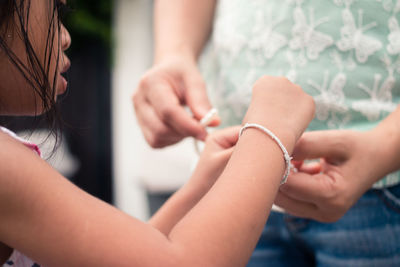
[319,144]
[197,100]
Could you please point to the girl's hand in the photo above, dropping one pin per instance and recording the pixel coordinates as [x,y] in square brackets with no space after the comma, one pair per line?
[217,151]
[162,93]
[281,106]
[218,148]
[349,164]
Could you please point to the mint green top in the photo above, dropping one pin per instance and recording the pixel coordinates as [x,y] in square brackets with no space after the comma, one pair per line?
[345,53]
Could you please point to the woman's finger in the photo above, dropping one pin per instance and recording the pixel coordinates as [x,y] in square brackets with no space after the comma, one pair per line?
[156,133]
[295,207]
[171,112]
[309,188]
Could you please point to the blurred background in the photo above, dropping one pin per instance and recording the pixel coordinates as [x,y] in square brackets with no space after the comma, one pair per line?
[102,149]
[86,108]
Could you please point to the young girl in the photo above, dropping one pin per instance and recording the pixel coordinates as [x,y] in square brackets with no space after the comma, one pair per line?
[214,220]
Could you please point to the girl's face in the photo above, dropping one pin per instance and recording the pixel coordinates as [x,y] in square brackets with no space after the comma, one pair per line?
[17,96]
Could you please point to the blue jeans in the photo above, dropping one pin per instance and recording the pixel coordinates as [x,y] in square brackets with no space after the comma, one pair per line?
[367,235]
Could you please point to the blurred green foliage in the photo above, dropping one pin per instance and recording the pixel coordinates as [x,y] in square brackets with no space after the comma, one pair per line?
[89,21]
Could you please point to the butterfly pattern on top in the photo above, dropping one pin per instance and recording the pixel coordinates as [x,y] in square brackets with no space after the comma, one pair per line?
[304,39]
[294,63]
[390,5]
[380,97]
[267,39]
[380,94]
[305,36]
[345,53]
[353,36]
[330,99]
[393,47]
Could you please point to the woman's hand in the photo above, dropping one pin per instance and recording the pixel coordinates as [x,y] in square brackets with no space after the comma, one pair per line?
[349,163]
[162,93]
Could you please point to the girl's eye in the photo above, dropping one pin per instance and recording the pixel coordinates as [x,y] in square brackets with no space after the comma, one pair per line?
[62,9]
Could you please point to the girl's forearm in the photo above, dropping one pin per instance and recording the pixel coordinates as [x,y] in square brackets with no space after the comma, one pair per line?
[179,204]
[239,202]
[182,26]
[244,193]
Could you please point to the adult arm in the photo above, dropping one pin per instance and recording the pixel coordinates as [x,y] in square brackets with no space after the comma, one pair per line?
[350,163]
[181,28]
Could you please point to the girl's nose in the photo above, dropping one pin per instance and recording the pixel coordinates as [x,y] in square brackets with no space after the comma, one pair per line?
[65,38]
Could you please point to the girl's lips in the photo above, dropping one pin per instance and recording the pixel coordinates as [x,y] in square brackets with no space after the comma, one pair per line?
[66,65]
[62,87]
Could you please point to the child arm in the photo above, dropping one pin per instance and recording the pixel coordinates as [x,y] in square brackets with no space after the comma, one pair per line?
[56,224]
[218,149]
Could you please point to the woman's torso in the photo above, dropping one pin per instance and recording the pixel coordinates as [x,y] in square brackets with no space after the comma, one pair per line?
[345,53]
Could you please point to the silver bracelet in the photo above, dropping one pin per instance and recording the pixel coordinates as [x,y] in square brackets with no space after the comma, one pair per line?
[286,155]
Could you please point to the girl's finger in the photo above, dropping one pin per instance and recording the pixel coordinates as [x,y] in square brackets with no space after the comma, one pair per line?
[227,137]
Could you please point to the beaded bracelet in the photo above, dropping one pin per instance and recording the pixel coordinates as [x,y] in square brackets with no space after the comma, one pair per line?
[208,117]
[286,155]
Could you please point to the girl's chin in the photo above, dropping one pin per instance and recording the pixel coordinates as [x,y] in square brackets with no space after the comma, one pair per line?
[62,85]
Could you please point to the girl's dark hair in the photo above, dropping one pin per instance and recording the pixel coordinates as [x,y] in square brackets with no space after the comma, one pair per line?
[14,15]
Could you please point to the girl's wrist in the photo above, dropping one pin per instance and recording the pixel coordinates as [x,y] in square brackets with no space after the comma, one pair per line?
[198,185]
[277,140]
[285,134]
[203,176]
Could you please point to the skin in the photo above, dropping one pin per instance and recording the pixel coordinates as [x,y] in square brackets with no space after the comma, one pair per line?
[14,87]
[193,229]
[174,81]
[346,173]
[347,168]
[211,221]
